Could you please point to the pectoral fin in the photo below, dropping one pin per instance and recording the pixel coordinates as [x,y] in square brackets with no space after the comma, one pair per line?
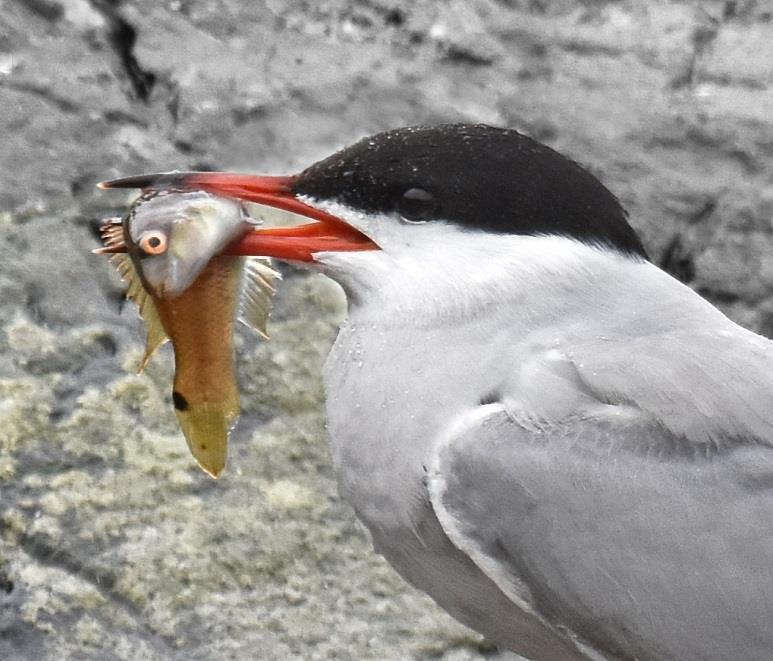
[155,335]
[257,292]
[112,237]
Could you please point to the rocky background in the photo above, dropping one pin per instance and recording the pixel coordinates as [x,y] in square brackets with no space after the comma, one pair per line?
[113,545]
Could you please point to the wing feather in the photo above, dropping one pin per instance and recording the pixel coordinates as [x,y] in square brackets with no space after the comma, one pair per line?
[641,543]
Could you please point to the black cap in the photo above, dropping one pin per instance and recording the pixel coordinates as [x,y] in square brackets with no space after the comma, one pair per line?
[476,176]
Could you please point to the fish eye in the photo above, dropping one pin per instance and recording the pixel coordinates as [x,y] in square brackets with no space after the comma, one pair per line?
[153,242]
[416,205]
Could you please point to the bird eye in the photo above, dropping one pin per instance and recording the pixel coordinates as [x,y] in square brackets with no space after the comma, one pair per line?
[153,242]
[416,205]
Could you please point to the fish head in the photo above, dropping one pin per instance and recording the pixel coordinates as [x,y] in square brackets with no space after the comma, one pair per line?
[172,235]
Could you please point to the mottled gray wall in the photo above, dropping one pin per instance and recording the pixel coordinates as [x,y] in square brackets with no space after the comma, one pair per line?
[112,544]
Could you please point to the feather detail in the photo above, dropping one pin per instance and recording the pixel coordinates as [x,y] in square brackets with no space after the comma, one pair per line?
[257,291]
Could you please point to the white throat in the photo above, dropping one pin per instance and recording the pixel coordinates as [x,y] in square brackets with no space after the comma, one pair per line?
[444,274]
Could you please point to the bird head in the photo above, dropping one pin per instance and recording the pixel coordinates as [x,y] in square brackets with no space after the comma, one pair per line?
[420,195]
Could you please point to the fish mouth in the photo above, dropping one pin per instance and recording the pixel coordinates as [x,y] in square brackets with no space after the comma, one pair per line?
[326,232]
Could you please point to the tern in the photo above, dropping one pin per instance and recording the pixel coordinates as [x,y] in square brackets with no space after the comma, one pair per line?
[565,447]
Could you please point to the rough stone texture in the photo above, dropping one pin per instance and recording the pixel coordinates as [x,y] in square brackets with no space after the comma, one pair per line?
[112,544]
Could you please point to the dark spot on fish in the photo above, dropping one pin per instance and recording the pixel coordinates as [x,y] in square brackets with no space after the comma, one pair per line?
[180,403]
[203,446]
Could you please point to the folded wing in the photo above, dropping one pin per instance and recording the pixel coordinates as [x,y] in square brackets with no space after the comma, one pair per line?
[642,543]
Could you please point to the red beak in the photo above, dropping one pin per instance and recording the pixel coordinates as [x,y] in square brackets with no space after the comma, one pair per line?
[299,242]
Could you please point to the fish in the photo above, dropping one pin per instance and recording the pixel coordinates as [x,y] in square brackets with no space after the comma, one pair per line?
[168,249]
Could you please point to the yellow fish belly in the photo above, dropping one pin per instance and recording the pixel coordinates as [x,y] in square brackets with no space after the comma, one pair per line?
[200,325]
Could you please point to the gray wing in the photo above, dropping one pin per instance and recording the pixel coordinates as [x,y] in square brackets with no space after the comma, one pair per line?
[639,542]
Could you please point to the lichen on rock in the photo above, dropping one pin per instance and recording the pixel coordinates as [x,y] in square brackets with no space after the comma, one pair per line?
[112,543]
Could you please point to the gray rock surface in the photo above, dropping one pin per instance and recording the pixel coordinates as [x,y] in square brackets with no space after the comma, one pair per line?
[113,545]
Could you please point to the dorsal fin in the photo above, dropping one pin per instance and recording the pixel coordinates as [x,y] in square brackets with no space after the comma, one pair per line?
[257,290]
[111,231]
